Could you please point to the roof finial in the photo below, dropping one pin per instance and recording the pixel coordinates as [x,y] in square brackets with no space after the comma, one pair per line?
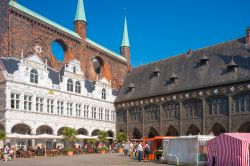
[125,38]
[80,12]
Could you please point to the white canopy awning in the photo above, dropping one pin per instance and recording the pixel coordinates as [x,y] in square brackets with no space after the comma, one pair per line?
[86,137]
[21,136]
[48,136]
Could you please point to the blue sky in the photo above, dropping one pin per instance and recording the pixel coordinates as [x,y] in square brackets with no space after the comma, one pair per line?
[157,28]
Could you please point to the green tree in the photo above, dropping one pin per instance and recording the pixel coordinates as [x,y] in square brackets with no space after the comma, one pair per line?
[69,136]
[121,137]
[2,135]
[102,136]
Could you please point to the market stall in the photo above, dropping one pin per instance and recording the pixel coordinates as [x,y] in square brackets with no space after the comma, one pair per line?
[186,150]
[229,149]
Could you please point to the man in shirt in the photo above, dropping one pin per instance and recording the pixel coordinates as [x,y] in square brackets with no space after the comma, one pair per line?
[139,150]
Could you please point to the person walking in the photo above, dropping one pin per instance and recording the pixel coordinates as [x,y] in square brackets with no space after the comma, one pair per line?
[139,150]
[5,152]
[146,151]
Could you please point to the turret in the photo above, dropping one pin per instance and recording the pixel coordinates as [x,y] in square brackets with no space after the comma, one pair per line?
[125,46]
[80,20]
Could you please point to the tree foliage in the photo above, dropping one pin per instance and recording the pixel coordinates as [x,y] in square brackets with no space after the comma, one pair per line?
[2,135]
[69,135]
[121,137]
[102,136]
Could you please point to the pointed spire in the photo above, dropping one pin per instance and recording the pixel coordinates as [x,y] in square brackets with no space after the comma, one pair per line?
[125,38]
[80,12]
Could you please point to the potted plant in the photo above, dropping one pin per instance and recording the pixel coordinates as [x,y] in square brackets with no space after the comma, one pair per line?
[121,137]
[102,138]
[103,149]
[69,136]
[2,137]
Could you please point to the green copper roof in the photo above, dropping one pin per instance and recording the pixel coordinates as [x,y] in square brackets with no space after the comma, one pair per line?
[125,39]
[41,18]
[106,50]
[80,12]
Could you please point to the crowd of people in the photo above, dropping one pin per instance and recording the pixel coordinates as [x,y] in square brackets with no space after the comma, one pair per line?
[137,150]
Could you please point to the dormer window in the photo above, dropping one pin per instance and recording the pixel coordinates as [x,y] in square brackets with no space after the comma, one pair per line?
[74,69]
[104,94]
[204,59]
[173,78]
[34,76]
[70,85]
[156,72]
[232,66]
[131,87]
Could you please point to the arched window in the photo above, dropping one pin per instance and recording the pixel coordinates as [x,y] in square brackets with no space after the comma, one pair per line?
[34,76]
[70,85]
[78,87]
[104,94]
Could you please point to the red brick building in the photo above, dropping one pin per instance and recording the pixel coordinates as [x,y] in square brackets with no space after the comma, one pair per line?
[24,32]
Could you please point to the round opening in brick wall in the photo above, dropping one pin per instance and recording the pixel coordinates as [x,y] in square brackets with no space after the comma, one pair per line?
[58,48]
[98,64]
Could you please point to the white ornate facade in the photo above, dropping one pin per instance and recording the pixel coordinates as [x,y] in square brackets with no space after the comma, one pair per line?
[33,95]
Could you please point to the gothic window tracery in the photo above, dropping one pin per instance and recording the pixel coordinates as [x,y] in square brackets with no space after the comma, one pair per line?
[217,106]
[193,108]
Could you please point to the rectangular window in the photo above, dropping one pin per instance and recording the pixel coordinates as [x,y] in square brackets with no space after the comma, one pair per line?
[39,104]
[93,112]
[86,111]
[107,115]
[69,109]
[247,103]
[242,108]
[113,116]
[100,113]
[60,108]
[236,105]
[50,106]
[27,102]
[15,101]
[78,110]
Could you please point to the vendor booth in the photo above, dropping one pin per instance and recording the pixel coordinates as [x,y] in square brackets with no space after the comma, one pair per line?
[186,150]
[156,146]
[229,149]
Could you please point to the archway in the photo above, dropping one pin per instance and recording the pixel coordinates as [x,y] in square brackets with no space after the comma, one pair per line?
[98,64]
[21,128]
[244,128]
[110,133]
[60,131]
[82,131]
[193,130]
[95,132]
[172,131]
[44,129]
[217,129]
[136,134]
[152,133]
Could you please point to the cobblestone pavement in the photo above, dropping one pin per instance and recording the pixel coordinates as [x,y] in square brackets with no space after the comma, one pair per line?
[113,159]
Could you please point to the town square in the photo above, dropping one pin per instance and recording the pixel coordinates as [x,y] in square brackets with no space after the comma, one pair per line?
[122,82]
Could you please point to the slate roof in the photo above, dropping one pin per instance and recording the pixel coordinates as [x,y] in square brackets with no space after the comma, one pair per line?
[54,76]
[10,64]
[191,73]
